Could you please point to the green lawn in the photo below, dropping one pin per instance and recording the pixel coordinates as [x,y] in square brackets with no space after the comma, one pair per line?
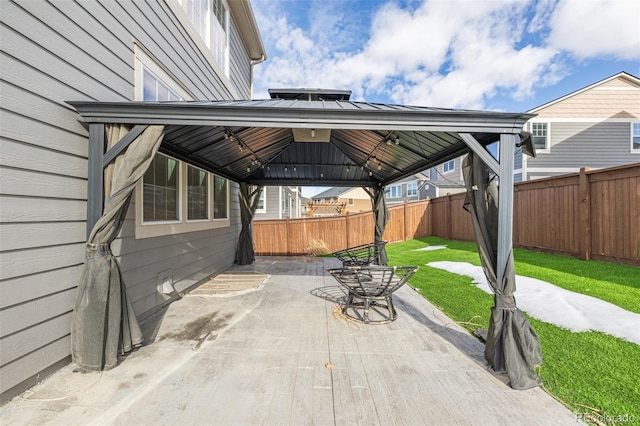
[586,371]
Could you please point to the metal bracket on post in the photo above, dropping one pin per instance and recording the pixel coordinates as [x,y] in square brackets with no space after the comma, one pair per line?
[99,159]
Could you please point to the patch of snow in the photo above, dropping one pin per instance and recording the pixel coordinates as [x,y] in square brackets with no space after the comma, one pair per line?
[564,308]
[431,248]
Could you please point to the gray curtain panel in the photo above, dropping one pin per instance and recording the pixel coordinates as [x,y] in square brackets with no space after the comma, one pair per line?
[249,196]
[104,323]
[381,218]
[512,344]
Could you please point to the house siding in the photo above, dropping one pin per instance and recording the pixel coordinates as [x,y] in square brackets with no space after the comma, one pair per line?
[272,199]
[617,98]
[579,144]
[51,53]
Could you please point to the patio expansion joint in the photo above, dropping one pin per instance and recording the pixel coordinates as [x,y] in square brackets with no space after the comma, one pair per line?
[328,316]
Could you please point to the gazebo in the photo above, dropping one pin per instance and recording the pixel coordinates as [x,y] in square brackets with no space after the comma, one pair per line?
[304,137]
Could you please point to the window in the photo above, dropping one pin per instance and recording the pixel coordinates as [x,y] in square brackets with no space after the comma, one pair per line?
[262,202]
[449,166]
[160,190]
[220,43]
[412,189]
[197,194]
[153,89]
[540,136]
[198,13]
[635,137]
[394,191]
[350,202]
[220,198]
[210,20]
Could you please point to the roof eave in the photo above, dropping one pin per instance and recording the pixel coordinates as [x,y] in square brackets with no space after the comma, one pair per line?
[319,118]
[245,19]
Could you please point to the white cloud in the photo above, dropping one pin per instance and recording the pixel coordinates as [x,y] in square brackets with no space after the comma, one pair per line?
[455,54]
[595,27]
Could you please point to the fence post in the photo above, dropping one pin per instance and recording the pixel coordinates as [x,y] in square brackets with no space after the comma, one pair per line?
[288,241]
[584,214]
[404,227]
[346,227]
[448,223]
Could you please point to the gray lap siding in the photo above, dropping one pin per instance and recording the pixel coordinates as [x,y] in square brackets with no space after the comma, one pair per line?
[59,51]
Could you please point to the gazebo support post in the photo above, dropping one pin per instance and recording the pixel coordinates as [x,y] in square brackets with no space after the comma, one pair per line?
[512,345]
[505,205]
[95,184]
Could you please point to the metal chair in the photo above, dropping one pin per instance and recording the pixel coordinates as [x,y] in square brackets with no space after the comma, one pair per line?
[370,290]
[362,255]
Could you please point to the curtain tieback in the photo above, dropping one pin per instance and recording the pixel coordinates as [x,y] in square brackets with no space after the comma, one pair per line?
[505,303]
[98,250]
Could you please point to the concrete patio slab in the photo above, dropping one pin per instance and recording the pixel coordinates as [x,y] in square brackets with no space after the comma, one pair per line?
[285,355]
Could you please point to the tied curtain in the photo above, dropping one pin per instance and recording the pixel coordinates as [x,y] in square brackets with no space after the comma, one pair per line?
[249,196]
[512,344]
[104,323]
[381,218]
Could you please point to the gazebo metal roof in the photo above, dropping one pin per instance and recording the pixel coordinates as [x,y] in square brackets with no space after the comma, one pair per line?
[309,142]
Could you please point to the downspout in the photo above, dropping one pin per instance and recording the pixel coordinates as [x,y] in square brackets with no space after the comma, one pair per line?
[253,63]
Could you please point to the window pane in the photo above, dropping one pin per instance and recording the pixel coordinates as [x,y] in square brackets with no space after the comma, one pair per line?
[197,194]
[198,13]
[148,86]
[160,190]
[636,136]
[261,206]
[219,198]
[539,135]
[153,89]
[163,92]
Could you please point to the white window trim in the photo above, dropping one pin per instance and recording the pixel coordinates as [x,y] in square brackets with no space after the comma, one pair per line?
[143,60]
[182,225]
[263,196]
[225,219]
[180,205]
[399,192]
[633,151]
[186,195]
[412,183]
[452,169]
[547,150]
[178,10]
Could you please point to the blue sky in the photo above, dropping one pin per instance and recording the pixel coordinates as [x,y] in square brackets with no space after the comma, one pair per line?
[504,55]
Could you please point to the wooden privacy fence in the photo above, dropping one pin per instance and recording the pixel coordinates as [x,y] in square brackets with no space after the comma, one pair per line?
[589,215]
[294,236]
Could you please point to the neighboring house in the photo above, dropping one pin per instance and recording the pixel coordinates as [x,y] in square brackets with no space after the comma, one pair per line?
[597,126]
[280,202]
[434,182]
[355,200]
[437,181]
[183,223]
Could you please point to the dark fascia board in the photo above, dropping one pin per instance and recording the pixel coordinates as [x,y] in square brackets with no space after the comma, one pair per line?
[330,116]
